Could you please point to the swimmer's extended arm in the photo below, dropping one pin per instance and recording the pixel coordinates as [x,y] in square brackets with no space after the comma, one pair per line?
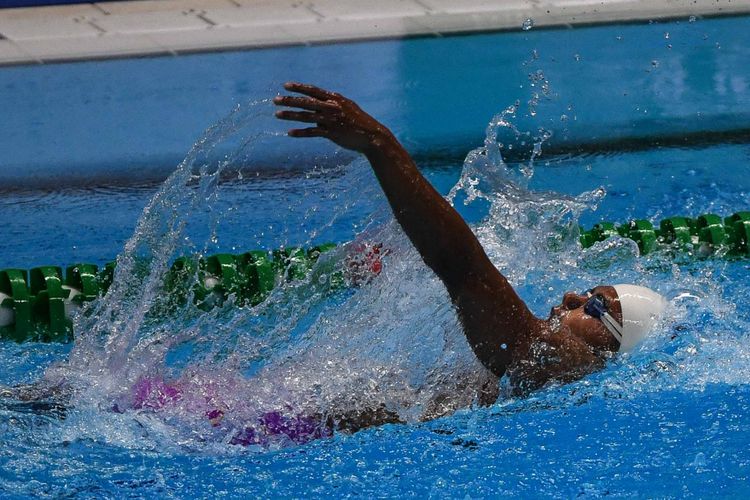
[493,316]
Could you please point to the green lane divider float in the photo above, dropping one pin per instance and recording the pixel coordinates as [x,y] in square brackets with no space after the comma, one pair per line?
[703,236]
[36,305]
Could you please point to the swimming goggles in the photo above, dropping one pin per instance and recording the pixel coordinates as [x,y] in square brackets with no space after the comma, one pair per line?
[597,308]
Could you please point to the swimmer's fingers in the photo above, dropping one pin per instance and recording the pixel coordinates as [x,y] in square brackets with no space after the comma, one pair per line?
[311,90]
[300,116]
[328,119]
[305,103]
[308,132]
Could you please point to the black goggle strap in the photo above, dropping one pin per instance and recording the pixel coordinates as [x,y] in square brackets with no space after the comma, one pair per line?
[612,326]
[597,309]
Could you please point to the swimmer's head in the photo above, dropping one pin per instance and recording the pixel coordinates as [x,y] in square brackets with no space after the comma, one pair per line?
[611,318]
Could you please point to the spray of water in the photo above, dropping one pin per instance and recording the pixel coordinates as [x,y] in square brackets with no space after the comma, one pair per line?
[392,345]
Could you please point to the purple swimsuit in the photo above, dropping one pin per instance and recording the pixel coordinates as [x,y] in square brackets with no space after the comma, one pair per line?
[299,429]
[154,393]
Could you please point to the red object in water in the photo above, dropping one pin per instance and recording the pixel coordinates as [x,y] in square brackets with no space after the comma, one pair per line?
[364,262]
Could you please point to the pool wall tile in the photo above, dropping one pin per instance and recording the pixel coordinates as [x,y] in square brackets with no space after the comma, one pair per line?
[26,28]
[100,46]
[9,51]
[442,22]
[363,9]
[149,22]
[268,14]
[220,37]
[51,11]
[476,6]
[162,5]
[332,30]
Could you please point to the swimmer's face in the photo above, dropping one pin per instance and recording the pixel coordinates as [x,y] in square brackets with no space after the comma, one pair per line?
[570,315]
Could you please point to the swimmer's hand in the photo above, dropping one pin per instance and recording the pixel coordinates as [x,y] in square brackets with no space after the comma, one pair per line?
[335,117]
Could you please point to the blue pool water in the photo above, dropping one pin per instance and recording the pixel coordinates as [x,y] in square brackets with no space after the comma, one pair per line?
[668,420]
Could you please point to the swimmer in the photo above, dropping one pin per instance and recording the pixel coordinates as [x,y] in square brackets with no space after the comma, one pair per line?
[579,335]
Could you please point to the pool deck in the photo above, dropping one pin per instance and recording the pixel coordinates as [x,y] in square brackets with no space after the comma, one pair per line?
[40,35]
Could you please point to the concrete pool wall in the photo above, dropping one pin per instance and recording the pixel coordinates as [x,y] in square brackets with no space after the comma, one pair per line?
[163,27]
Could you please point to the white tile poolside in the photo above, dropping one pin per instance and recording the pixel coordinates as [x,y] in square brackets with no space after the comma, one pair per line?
[262,14]
[149,22]
[53,11]
[45,26]
[221,38]
[115,29]
[334,29]
[11,52]
[142,6]
[477,6]
[101,46]
[367,9]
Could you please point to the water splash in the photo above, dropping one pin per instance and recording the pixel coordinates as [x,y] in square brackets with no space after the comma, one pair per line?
[305,349]
[311,350]
[302,350]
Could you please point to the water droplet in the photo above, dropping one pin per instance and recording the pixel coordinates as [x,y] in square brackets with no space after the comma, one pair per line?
[666,35]
[577,57]
[691,19]
[655,63]
[527,24]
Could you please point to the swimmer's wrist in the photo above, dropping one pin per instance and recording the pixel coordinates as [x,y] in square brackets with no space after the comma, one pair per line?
[380,141]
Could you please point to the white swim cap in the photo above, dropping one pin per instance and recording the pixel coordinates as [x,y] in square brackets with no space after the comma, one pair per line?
[641,308]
